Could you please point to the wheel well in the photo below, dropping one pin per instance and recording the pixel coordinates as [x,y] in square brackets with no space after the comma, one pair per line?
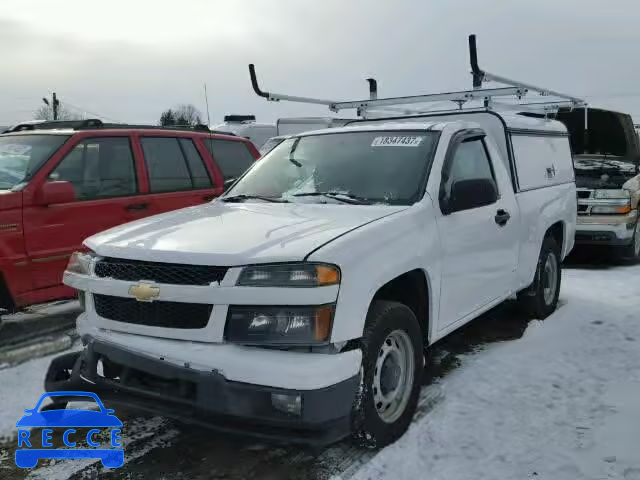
[556,231]
[410,289]
[6,300]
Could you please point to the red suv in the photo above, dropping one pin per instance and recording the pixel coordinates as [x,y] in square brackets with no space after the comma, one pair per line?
[60,185]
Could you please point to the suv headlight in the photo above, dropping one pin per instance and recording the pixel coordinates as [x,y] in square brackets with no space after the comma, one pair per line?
[612,194]
[617,202]
[275,325]
[80,262]
[289,275]
[610,209]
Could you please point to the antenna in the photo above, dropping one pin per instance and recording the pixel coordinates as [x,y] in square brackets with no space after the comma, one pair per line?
[210,146]
[206,101]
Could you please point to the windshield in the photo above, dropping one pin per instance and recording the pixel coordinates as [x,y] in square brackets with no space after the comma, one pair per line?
[22,155]
[376,167]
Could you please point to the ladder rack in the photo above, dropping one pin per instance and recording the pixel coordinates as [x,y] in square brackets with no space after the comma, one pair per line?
[511,89]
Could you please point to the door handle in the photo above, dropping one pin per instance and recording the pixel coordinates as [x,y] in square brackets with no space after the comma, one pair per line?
[136,207]
[502,217]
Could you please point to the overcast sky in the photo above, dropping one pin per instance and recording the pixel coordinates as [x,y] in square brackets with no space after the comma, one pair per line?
[129,60]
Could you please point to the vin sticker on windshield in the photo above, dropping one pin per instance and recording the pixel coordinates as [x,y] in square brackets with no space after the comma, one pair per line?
[403,141]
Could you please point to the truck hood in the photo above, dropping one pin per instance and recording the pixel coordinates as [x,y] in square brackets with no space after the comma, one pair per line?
[236,234]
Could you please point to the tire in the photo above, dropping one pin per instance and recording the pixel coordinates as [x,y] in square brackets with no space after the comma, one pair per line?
[390,380]
[541,298]
[632,251]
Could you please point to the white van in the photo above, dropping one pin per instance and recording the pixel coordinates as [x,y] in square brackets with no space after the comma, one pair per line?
[260,133]
[246,126]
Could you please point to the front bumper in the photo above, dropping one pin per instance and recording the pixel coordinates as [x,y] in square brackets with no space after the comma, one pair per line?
[603,230]
[128,379]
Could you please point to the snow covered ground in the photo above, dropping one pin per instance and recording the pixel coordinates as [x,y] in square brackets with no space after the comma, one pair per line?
[562,402]
[20,388]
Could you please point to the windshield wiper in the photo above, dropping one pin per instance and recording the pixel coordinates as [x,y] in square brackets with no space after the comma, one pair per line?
[291,152]
[340,196]
[240,198]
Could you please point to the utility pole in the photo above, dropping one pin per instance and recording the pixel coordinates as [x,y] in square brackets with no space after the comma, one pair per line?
[55,103]
[55,106]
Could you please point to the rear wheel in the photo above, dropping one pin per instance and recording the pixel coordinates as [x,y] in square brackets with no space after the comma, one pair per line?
[541,298]
[392,363]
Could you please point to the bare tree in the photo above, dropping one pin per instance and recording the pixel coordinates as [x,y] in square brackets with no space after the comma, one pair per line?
[45,112]
[168,118]
[186,114]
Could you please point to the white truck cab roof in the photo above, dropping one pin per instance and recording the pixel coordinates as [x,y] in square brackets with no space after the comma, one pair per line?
[512,121]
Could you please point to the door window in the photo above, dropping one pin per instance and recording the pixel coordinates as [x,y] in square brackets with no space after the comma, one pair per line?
[99,168]
[173,165]
[233,158]
[199,174]
[470,161]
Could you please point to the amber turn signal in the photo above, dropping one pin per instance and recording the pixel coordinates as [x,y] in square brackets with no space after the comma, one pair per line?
[324,316]
[327,275]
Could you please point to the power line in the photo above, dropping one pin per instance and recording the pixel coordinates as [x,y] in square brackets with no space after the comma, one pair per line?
[84,110]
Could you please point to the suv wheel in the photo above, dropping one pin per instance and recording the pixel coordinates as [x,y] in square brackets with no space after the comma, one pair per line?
[392,363]
[632,251]
[541,298]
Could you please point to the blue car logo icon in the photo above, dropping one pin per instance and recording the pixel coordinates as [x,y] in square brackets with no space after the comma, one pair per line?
[68,419]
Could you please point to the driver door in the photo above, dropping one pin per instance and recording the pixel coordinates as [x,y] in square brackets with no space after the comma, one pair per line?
[102,172]
[479,250]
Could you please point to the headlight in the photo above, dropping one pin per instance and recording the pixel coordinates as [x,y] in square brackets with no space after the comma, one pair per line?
[289,275]
[610,209]
[611,194]
[292,325]
[80,262]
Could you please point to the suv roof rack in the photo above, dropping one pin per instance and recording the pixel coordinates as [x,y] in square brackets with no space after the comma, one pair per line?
[511,89]
[54,124]
[95,123]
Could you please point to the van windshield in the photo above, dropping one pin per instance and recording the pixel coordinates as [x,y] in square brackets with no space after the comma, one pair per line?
[22,155]
[388,167]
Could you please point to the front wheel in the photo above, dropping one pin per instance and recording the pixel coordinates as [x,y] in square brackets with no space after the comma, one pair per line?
[392,362]
[632,251]
[541,298]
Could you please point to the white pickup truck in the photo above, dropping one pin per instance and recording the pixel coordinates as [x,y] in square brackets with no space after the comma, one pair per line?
[302,303]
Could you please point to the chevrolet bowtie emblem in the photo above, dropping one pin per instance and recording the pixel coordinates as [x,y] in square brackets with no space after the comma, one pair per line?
[144,292]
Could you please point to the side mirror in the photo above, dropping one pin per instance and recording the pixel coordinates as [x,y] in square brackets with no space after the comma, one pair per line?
[468,194]
[55,192]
